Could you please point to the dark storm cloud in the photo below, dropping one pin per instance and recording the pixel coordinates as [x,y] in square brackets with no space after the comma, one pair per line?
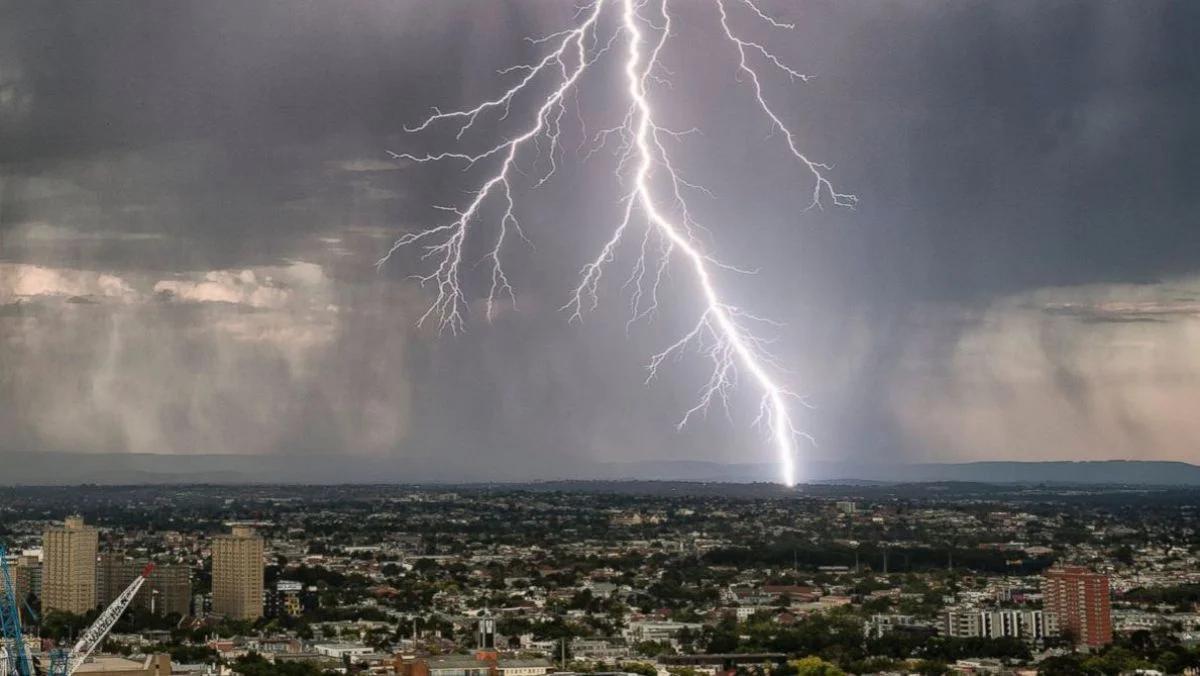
[996,145]
[228,112]
[998,148]
[1018,144]
[130,74]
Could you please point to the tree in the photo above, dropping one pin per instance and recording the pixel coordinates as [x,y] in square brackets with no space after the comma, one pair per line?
[62,626]
[640,668]
[721,640]
[1170,662]
[1118,660]
[1123,554]
[687,638]
[653,648]
[254,664]
[188,654]
[815,666]
[932,668]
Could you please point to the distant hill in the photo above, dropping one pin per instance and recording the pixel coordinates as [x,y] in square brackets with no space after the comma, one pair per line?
[1107,472]
[1128,472]
[75,468]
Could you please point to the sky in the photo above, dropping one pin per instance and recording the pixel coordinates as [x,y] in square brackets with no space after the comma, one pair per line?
[193,194]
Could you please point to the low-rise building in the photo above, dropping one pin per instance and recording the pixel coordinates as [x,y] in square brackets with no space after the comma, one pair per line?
[110,665]
[341,650]
[1029,625]
[484,663]
[516,667]
[658,630]
[603,649]
[882,625]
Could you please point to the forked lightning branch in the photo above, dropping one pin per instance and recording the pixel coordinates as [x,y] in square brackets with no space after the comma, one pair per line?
[653,217]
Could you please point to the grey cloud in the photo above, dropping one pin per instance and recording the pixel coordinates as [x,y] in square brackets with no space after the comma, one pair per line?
[369,165]
[1080,389]
[206,377]
[1126,312]
[1121,320]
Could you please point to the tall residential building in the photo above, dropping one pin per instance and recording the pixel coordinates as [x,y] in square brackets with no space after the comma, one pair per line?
[1079,600]
[167,590]
[69,567]
[237,574]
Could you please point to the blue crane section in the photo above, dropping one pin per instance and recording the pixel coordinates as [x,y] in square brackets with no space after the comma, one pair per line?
[10,621]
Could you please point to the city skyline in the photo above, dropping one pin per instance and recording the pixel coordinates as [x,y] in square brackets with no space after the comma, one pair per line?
[520,581]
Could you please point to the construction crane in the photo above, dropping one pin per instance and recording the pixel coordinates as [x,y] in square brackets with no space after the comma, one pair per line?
[93,636]
[14,655]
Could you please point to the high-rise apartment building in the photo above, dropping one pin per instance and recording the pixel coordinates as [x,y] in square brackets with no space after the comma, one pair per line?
[167,590]
[237,574]
[69,567]
[1079,600]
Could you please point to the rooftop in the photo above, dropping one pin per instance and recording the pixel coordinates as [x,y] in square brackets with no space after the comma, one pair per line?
[103,663]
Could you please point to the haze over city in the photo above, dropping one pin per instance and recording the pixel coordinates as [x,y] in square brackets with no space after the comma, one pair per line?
[193,197]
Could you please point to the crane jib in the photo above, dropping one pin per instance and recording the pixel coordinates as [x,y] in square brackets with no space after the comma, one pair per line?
[94,635]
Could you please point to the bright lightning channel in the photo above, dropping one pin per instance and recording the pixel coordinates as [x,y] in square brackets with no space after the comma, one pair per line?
[723,333]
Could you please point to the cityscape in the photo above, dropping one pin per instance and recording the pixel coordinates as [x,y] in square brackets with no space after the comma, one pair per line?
[599,338]
[656,579]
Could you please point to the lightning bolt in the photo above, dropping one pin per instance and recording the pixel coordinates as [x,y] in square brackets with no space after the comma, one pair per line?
[725,335]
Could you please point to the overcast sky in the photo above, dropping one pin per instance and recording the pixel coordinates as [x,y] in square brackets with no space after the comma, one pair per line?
[192,196]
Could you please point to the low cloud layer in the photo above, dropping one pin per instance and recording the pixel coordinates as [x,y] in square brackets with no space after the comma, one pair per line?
[1096,372]
[229,361]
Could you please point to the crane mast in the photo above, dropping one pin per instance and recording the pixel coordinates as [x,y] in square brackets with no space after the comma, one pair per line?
[13,653]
